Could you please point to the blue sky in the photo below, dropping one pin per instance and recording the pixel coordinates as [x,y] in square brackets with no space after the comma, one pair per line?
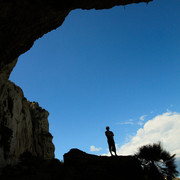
[117,67]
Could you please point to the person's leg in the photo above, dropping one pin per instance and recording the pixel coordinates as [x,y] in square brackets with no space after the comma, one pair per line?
[115,153]
[114,149]
[110,149]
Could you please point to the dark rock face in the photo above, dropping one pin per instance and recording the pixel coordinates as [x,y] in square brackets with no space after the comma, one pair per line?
[86,166]
[24,21]
[77,165]
[33,168]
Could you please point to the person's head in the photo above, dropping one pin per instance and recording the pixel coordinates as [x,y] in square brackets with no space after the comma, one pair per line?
[107,128]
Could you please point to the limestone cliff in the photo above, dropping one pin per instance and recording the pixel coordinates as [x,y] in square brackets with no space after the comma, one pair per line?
[23,127]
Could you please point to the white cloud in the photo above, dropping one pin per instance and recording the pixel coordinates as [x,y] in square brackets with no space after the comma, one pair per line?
[129,122]
[134,121]
[93,148]
[164,128]
[140,123]
[142,117]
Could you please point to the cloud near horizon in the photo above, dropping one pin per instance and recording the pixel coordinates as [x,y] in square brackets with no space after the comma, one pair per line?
[129,122]
[93,148]
[164,128]
[141,119]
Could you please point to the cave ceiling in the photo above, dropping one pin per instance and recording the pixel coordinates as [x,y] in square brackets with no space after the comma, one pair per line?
[24,21]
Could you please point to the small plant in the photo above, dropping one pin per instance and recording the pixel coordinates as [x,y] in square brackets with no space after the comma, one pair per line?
[156,162]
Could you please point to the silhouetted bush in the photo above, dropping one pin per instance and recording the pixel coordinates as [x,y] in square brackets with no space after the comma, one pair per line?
[156,162]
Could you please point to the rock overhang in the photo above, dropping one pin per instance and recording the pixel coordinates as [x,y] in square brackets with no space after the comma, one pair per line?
[24,21]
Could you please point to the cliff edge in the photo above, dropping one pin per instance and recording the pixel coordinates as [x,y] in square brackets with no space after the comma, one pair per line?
[24,127]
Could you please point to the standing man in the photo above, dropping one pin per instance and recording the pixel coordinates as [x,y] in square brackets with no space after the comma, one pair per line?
[110,140]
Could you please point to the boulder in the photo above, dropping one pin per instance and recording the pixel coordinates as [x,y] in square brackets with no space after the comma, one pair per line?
[87,166]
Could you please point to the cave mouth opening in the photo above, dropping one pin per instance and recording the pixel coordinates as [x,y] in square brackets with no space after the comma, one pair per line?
[72,81]
[90,73]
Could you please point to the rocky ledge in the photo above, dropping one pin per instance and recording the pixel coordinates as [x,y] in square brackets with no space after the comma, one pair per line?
[77,165]
[87,166]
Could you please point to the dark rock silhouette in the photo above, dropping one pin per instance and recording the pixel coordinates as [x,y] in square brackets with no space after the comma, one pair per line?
[37,19]
[87,166]
[77,165]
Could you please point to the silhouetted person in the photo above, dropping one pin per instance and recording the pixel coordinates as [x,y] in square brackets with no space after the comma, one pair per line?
[110,140]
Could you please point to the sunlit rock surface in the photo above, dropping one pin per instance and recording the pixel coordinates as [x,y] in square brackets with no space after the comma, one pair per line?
[23,127]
